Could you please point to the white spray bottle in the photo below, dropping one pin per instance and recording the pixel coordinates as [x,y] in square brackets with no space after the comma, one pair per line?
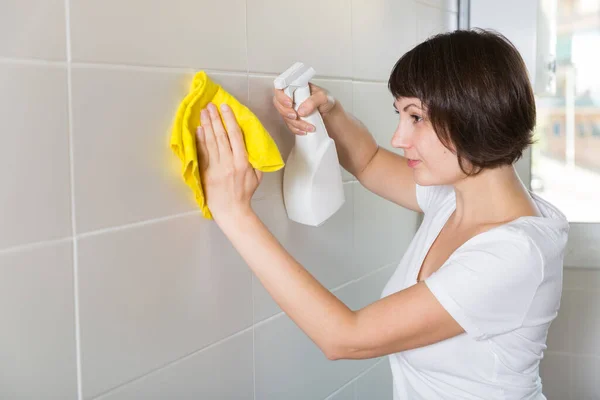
[312,178]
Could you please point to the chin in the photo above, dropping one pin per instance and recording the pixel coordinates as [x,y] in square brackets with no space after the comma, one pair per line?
[426,179]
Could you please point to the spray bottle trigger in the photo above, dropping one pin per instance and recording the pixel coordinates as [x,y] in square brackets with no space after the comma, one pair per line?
[289,91]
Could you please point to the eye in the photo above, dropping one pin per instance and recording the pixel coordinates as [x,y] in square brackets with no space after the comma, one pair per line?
[396,111]
[416,118]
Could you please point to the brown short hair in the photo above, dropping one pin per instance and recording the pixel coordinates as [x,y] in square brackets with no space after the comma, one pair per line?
[475,87]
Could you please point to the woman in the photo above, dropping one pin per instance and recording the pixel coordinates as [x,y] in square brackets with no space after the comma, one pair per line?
[466,313]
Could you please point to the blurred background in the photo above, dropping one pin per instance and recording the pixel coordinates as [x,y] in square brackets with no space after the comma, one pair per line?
[113,287]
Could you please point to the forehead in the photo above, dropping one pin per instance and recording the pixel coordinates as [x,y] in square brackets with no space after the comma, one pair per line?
[401,102]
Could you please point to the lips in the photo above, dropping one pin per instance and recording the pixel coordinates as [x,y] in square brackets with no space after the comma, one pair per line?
[413,163]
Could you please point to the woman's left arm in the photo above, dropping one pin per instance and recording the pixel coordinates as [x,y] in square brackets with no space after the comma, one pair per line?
[408,319]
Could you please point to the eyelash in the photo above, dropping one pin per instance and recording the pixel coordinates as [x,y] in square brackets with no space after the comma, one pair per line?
[417,118]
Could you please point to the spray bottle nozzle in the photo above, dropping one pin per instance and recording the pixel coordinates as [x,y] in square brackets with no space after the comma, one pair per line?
[297,76]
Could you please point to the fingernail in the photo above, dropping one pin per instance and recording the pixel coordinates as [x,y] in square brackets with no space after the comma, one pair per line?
[199,131]
[292,116]
[288,103]
[224,107]
[311,128]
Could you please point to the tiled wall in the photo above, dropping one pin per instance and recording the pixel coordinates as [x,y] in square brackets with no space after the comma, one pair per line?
[111,284]
[571,366]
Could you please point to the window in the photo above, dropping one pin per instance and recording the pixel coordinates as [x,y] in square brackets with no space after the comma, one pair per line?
[566,155]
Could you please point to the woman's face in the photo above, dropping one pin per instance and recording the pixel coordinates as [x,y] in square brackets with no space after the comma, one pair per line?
[432,163]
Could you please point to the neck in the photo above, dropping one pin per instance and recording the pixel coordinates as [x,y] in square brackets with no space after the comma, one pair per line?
[494,196]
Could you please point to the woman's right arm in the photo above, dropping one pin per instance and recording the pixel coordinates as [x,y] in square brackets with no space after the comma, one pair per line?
[379,170]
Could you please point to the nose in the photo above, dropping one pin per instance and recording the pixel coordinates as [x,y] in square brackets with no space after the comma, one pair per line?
[401,140]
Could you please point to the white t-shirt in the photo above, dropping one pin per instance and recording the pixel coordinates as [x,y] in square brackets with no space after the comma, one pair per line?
[503,287]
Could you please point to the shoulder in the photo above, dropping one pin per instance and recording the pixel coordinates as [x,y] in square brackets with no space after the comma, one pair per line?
[489,283]
[430,197]
[508,248]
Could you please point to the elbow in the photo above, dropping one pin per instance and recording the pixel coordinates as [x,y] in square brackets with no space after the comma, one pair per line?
[344,345]
[333,354]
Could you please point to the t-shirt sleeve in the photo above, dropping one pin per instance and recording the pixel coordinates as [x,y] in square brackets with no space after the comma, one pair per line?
[488,286]
[428,197]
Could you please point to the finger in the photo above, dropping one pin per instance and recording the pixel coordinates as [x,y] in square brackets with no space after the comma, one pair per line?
[221,136]
[314,102]
[236,139]
[201,148]
[286,112]
[209,137]
[301,125]
[296,130]
[283,98]
[259,175]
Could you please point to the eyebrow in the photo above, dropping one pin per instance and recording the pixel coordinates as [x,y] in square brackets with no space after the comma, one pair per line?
[405,108]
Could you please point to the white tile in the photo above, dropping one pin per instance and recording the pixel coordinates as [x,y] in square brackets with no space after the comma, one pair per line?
[432,21]
[555,371]
[276,39]
[367,290]
[582,247]
[290,366]
[347,393]
[376,384]
[37,315]
[382,230]
[325,251]
[155,293]
[585,384]
[558,334]
[200,34]
[582,279]
[221,372]
[35,198]
[33,29]
[261,104]
[125,170]
[382,31]
[448,5]
[584,323]
[374,107]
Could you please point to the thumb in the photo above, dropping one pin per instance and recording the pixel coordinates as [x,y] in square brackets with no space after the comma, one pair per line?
[321,100]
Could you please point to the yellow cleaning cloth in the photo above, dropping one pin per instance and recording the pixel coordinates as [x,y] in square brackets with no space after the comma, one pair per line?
[263,153]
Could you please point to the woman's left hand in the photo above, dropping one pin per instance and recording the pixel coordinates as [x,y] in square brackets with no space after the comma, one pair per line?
[229,181]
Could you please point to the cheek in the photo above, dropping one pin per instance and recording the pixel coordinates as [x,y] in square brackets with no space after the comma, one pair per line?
[441,165]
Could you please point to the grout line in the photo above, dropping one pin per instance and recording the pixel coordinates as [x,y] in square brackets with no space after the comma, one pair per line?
[353,380]
[252,273]
[281,313]
[269,319]
[151,68]
[73,213]
[571,354]
[351,42]
[167,69]
[169,364]
[32,61]
[34,245]
[137,224]
[371,273]
[253,341]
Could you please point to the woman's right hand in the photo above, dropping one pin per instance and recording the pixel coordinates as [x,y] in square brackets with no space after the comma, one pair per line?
[319,99]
